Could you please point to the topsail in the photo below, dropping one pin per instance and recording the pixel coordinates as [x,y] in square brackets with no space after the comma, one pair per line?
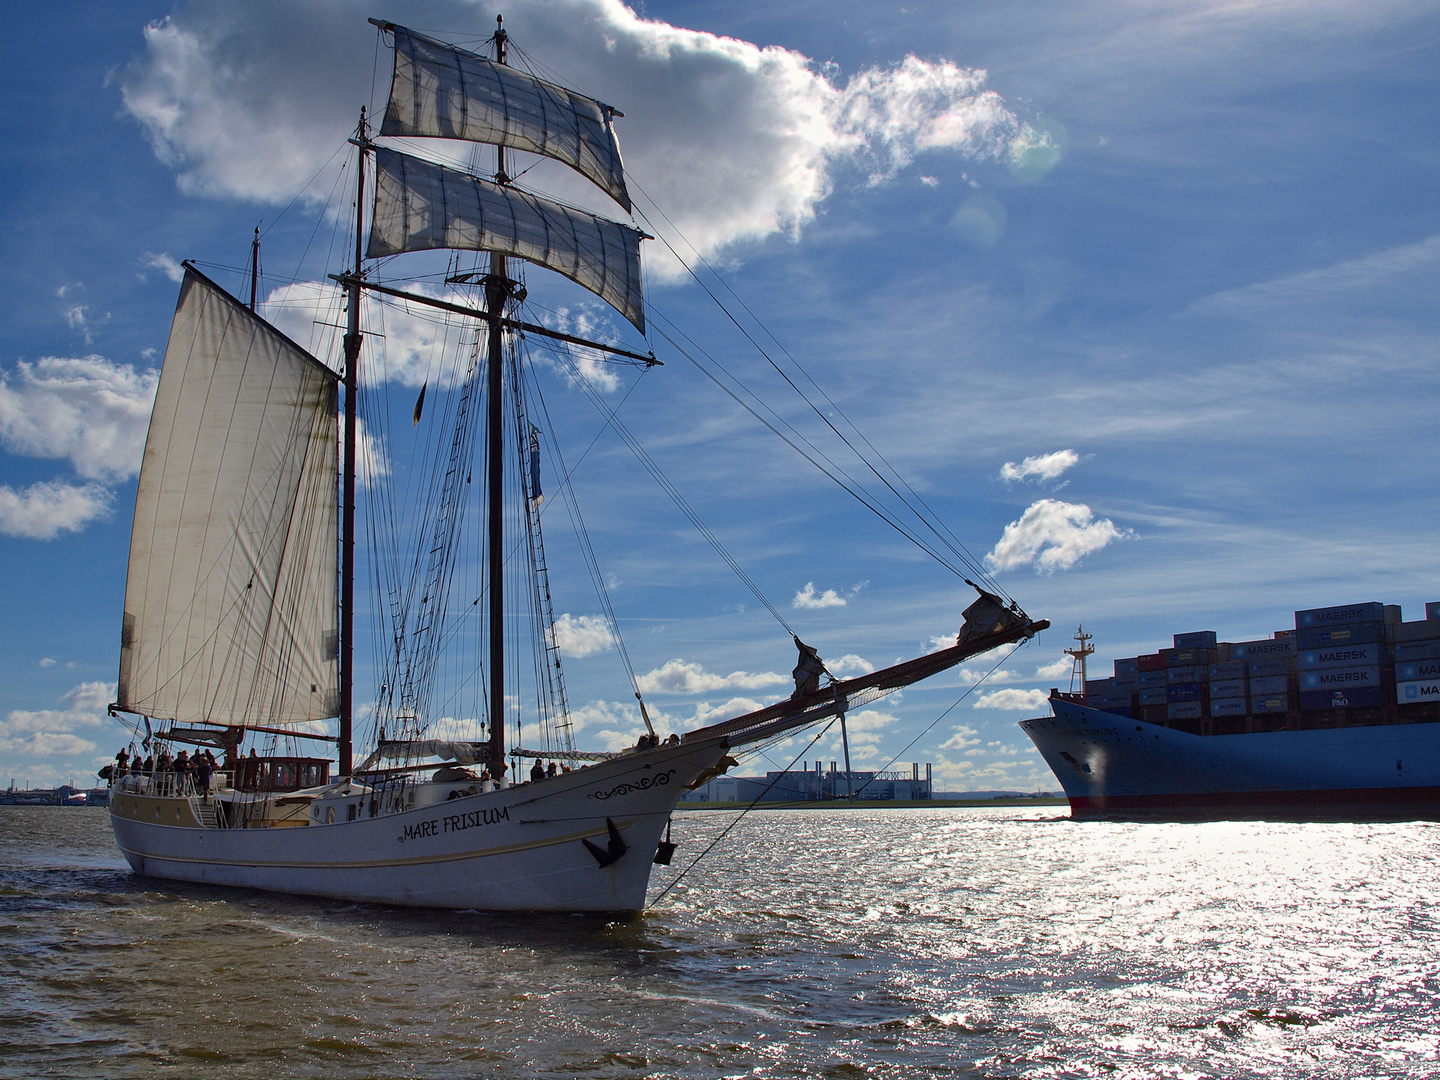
[420,205]
[444,92]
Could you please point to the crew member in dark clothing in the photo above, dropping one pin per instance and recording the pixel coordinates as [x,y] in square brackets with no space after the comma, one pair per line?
[203,767]
[537,771]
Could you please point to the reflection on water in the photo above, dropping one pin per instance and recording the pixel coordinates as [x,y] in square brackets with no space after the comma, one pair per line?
[839,943]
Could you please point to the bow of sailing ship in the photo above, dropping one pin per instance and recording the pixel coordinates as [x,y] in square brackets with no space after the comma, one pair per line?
[239,611]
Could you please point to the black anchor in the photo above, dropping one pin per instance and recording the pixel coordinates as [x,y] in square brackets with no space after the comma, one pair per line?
[610,854]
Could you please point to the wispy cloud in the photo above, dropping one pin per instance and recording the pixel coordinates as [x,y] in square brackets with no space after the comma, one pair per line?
[684,677]
[165,264]
[1039,467]
[1052,535]
[1013,699]
[1056,670]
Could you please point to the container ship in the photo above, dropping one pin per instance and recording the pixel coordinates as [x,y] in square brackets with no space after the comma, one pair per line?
[1340,714]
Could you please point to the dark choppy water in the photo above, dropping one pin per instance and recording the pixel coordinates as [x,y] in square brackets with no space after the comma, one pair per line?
[893,943]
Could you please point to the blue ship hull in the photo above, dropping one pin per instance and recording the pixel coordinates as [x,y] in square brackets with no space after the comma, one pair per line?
[1112,764]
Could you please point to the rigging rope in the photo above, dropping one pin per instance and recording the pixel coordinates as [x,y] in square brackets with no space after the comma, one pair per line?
[956,547]
[726,831]
[669,488]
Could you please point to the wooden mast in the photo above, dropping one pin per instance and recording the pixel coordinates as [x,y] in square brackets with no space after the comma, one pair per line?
[347,522]
[497,289]
[254,266]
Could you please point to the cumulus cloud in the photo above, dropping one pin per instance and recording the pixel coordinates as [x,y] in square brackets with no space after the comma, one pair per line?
[51,732]
[682,677]
[963,738]
[849,665]
[582,635]
[46,509]
[1053,535]
[87,410]
[735,141]
[808,599]
[1041,466]
[1013,699]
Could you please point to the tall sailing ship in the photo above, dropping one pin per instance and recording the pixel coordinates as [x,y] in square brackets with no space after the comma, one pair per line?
[240,601]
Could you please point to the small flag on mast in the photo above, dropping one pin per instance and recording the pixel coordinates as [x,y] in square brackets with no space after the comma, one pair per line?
[536,497]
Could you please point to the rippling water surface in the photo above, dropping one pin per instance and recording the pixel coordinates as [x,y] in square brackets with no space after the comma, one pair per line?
[840,943]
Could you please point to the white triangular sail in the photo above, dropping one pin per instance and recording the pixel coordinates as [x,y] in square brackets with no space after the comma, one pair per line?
[443,92]
[420,205]
[231,594]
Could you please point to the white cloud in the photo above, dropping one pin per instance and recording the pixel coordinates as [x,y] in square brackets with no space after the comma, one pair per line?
[849,665]
[681,677]
[808,599]
[1053,535]
[582,635]
[48,661]
[88,410]
[963,738]
[165,264]
[46,509]
[51,732]
[735,141]
[1041,466]
[1058,669]
[1012,699]
[373,462]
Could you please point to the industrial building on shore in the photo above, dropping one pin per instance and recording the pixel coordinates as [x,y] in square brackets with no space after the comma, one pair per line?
[817,785]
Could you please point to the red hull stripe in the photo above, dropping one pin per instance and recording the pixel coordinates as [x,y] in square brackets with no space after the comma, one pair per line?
[1339,797]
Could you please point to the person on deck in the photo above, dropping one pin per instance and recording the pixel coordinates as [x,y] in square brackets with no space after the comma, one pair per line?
[552,770]
[203,768]
[122,764]
[537,771]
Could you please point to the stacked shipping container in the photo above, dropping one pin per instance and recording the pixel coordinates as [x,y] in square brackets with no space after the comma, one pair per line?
[1358,656]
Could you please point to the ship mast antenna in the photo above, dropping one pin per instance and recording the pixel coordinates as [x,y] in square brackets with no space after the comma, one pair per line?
[1079,655]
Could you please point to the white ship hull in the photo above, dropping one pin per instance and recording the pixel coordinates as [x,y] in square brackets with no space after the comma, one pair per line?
[517,849]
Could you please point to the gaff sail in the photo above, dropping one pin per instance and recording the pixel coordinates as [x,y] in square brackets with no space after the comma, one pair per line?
[420,205]
[439,91]
[230,595]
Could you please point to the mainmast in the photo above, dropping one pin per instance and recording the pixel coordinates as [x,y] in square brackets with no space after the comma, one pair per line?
[347,523]
[497,289]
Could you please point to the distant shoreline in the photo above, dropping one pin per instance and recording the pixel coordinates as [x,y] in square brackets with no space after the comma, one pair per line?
[871,804]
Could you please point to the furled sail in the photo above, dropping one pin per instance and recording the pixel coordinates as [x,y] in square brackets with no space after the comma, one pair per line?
[444,92]
[231,594]
[420,205]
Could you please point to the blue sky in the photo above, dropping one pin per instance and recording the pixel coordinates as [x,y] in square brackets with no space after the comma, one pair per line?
[1194,245]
